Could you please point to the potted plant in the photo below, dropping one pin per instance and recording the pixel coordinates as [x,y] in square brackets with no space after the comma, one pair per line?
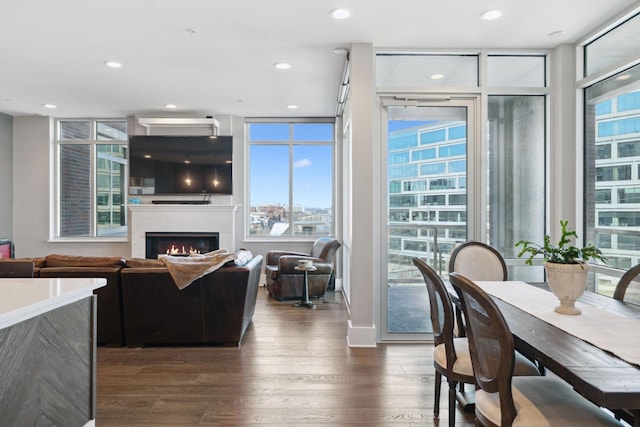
[566,266]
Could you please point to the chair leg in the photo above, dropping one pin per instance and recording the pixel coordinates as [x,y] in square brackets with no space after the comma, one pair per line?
[436,404]
[452,403]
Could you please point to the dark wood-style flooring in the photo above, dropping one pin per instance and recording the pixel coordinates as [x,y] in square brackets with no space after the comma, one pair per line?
[293,368]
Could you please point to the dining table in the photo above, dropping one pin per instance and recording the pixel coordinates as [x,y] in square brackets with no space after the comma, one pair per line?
[596,352]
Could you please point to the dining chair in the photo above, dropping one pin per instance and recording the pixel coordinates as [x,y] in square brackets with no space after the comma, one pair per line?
[478,261]
[451,354]
[502,399]
[15,268]
[628,289]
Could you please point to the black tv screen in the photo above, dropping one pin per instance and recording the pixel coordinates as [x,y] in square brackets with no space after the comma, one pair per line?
[180,165]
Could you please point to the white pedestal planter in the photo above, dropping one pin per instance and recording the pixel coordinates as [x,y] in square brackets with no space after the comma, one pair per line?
[567,282]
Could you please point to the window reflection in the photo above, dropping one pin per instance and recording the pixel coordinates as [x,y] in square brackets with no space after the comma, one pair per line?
[612,170]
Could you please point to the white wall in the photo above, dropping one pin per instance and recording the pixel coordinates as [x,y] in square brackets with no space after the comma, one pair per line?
[6,176]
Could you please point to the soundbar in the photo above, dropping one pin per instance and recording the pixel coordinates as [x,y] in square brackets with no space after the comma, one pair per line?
[180,202]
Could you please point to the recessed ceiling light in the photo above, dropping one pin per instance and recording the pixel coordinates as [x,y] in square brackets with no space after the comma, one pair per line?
[556,34]
[113,64]
[170,106]
[623,77]
[340,13]
[282,65]
[437,76]
[491,14]
[292,106]
[51,106]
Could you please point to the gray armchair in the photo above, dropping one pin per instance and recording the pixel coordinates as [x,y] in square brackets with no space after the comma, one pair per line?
[283,282]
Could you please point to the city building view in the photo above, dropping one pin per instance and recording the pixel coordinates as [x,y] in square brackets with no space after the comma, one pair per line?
[427,192]
[427,199]
[273,220]
[615,223]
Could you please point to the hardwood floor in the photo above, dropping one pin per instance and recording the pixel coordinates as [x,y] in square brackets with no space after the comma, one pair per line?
[293,368]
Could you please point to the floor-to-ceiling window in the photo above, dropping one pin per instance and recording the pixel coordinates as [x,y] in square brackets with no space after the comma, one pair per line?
[516,176]
[612,151]
[612,178]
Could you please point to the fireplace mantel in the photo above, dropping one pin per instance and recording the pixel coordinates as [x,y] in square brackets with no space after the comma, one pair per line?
[183,218]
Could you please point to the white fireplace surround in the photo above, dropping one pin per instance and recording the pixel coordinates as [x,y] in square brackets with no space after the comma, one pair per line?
[180,218]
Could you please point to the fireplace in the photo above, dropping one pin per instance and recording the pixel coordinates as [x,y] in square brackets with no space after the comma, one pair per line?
[185,219]
[180,243]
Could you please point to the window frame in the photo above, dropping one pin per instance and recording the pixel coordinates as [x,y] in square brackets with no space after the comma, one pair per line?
[603,75]
[92,142]
[290,144]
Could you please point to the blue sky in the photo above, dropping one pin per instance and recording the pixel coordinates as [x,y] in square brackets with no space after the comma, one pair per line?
[312,172]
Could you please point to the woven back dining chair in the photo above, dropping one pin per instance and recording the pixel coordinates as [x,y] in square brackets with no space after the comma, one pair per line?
[478,261]
[451,354]
[502,399]
[628,288]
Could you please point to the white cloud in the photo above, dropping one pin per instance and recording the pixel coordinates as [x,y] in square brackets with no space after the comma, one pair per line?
[302,163]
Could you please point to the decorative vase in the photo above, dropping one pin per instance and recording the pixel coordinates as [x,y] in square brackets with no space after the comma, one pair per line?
[567,282]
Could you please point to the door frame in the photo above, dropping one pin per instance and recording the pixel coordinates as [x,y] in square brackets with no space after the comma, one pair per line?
[476,181]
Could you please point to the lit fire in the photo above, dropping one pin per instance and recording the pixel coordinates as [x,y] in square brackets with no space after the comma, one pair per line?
[174,250]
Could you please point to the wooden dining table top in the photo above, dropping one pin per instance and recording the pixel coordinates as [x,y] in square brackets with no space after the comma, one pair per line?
[598,375]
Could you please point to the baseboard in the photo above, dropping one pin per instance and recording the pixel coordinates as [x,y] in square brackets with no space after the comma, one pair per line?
[358,336]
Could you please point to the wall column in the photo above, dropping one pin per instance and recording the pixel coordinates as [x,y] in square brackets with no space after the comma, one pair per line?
[363,270]
[565,170]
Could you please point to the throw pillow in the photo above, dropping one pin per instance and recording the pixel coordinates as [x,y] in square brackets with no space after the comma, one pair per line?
[244,256]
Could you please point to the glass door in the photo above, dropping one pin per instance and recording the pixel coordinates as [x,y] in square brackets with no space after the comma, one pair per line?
[428,147]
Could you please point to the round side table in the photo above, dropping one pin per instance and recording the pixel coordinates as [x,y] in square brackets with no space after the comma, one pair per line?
[305,301]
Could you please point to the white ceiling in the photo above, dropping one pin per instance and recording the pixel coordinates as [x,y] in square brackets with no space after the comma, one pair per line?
[216,57]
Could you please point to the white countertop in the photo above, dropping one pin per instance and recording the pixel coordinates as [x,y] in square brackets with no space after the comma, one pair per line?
[22,299]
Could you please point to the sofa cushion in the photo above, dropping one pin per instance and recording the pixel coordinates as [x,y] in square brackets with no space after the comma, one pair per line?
[56,260]
[143,263]
[37,262]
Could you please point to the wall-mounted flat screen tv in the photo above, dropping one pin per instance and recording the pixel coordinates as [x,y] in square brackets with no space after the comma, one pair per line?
[162,165]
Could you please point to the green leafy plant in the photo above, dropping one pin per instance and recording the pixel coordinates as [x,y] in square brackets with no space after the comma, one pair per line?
[563,253]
